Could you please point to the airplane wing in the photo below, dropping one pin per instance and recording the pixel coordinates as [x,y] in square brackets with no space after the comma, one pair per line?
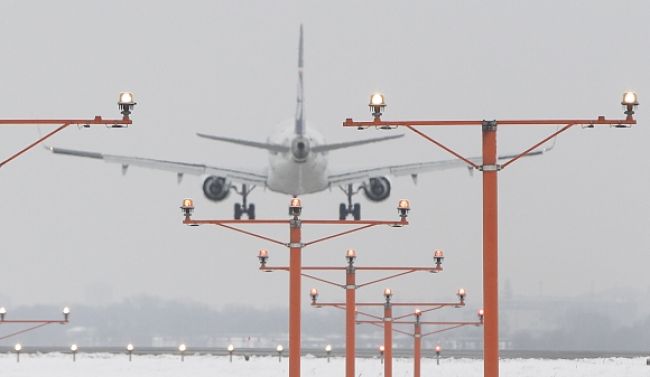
[180,168]
[412,169]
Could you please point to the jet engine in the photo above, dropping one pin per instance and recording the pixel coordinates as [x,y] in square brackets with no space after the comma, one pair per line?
[216,188]
[377,189]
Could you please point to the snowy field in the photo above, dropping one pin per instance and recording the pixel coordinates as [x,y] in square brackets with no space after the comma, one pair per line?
[99,365]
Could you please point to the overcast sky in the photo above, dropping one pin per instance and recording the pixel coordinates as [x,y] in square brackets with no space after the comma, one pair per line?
[75,230]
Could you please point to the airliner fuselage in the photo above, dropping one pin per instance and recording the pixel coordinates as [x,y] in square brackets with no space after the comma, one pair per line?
[300,170]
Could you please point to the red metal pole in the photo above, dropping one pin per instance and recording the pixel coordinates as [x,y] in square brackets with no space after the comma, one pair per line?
[490,252]
[295,248]
[388,340]
[417,347]
[350,306]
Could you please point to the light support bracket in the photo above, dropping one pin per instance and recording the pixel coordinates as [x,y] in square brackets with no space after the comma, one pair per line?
[489,125]
[495,167]
[64,123]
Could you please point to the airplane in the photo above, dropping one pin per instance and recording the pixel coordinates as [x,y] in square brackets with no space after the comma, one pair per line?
[297,165]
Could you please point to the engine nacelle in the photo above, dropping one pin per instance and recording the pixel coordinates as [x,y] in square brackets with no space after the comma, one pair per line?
[216,188]
[377,189]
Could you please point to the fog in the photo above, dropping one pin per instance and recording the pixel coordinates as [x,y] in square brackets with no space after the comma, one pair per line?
[573,222]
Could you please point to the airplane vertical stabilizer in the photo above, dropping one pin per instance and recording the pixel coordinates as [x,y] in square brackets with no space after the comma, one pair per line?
[300,112]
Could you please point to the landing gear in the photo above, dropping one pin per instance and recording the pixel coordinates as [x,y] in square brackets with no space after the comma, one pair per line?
[243,207]
[350,209]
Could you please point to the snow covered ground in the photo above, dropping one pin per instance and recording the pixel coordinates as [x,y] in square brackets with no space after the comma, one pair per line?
[99,365]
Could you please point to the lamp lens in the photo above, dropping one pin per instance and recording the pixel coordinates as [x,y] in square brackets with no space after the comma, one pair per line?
[377,99]
[126,98]
[630,98]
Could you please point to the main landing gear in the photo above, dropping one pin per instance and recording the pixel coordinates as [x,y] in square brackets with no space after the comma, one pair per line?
[243,207]
[350,209]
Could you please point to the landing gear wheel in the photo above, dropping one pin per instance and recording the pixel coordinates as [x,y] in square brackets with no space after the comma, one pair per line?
[349,208]
[343,211]
[244,207]
[356,211]
[238,211]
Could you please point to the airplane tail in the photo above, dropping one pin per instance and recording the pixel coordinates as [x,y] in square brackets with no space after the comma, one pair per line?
[299,125]
[300,112]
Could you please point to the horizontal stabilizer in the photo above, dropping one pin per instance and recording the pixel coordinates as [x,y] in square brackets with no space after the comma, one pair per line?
[348,144]
[255,144]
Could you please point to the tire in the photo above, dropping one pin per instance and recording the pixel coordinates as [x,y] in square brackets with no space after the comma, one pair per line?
[343,211]
[238,211]
[356,211]
[251,211]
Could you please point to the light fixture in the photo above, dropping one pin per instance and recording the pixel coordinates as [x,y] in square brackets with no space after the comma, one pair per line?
[230,349]
[461,295]
[74,349]
[263,256]
[18,347]
[3,312]
[630,98]
[126,102]
[418,314]
[403,208]
[129,349]
[66,313]
[377,105]
[438,349]
[481,314]
[381,353]
[630,102]
[187,207]
[328,350]
[314,295]
[438,256]
[279,350]
[295,207]
[182,348]
[351,255]
[388,293]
